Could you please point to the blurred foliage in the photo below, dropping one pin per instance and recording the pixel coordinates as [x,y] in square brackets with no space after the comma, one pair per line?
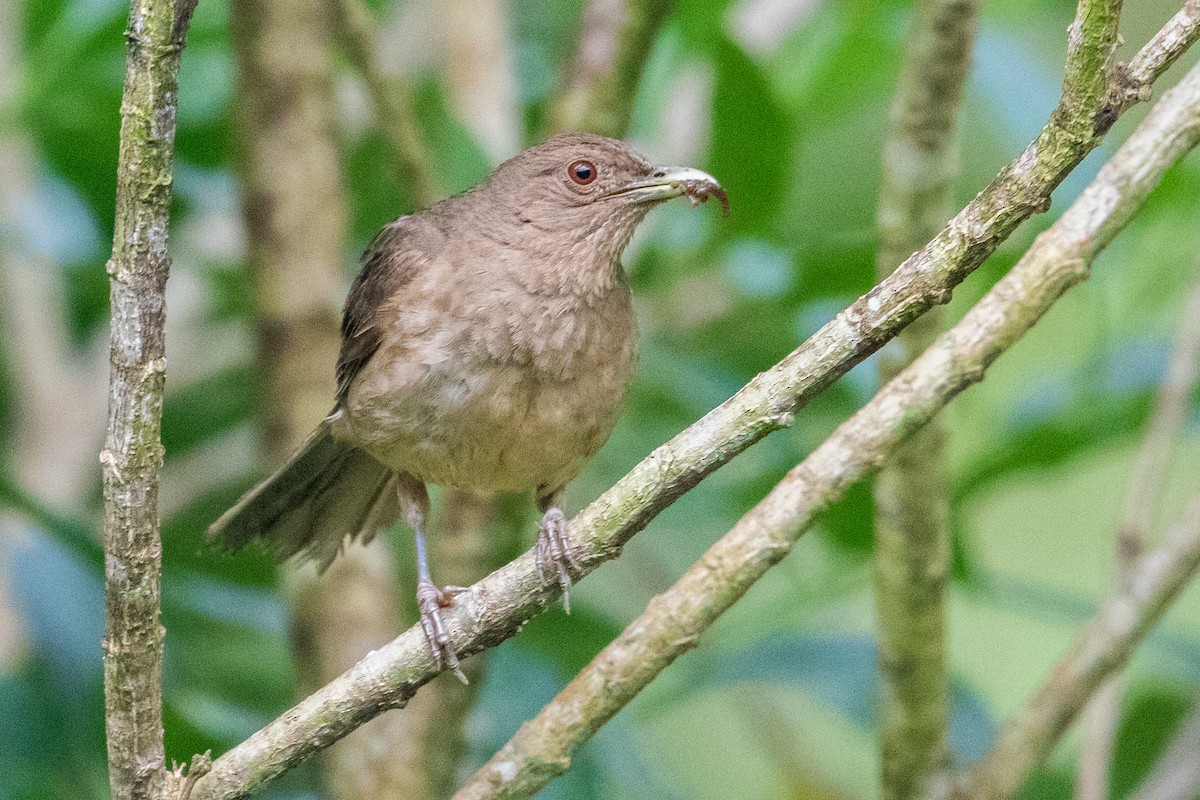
[790,116]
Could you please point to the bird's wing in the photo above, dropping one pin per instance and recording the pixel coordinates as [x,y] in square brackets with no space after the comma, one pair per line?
[395,257]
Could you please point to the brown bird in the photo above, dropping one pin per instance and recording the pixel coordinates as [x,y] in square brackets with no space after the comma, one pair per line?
[486,344]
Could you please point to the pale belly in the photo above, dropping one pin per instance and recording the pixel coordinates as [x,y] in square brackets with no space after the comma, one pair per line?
[490,426]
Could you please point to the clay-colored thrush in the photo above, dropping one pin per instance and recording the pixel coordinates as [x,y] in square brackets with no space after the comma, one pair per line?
[486,344]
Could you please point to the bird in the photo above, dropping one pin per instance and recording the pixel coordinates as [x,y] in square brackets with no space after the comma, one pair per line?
[486,344]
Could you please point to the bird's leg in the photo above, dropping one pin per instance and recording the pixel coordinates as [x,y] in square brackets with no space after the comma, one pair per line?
[414,502]
[554,556]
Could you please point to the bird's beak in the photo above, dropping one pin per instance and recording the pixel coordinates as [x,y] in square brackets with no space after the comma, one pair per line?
[670,182]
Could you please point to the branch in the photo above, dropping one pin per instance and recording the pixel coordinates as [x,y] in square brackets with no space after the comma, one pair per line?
[674,620]
[1142,498]
[1167,45]
[496,607]
[1104,647]
[912,536]
[132,455]
[613,48]
[390,97]
[477,65]
[294,217]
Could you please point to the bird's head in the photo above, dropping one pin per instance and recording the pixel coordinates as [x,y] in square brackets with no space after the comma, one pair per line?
[580,190]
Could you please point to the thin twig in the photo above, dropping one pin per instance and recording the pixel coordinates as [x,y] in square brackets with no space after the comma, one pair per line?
[1180,33]
[132,455]
[496,607]
[1103,647]
[674,620]
[912,537]
[185,781]
[1142,499]
[612,51]
[390,97]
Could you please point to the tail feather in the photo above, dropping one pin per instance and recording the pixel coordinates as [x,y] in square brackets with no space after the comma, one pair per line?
[326,493]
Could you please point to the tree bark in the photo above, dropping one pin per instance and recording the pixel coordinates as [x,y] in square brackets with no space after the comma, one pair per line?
[132,456]
[674,620]
[912,536]
[294,207]
[496,607]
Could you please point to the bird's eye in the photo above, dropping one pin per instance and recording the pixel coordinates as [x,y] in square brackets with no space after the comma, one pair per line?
[582,172]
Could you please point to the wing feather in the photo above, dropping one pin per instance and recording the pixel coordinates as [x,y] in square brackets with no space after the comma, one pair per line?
[395,257]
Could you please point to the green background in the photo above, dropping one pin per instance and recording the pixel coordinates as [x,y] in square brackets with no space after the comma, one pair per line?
[778,699]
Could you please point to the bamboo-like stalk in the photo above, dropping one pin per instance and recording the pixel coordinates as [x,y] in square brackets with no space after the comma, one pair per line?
[912,536]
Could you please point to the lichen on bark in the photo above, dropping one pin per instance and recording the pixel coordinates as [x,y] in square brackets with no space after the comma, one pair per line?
[132,455]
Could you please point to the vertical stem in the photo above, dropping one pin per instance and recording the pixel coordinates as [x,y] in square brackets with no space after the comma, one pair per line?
[294,207]
[132,456]
[912,544]
[479,73]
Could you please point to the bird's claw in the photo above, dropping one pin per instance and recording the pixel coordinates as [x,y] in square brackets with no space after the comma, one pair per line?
[554,556]
[431,600]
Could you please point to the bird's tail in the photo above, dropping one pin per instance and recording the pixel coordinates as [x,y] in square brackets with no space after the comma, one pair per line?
[327,491]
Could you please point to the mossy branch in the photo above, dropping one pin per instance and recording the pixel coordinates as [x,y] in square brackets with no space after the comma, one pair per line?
[496,607]
[132,455]
[674,620]
[912,531]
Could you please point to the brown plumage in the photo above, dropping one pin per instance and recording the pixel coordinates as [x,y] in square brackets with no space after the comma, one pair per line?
[486,344]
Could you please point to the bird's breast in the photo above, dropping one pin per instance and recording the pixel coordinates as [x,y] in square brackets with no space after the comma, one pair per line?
[511,394]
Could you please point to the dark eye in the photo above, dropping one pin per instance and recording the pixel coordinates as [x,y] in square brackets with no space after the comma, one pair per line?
[582,172]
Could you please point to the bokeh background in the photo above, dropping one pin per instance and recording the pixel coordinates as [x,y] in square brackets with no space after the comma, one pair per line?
[785,101]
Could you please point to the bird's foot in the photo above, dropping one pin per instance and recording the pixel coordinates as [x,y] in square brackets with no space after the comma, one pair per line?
[554,557]
[432,600]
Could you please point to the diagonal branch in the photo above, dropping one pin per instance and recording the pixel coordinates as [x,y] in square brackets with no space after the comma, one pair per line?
[132,454]
[1142,498]
[674,620]
[1176,774]
[912,531]
[613,48]
[1173,39]
[390,97]
[1103,647]
[496,607]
